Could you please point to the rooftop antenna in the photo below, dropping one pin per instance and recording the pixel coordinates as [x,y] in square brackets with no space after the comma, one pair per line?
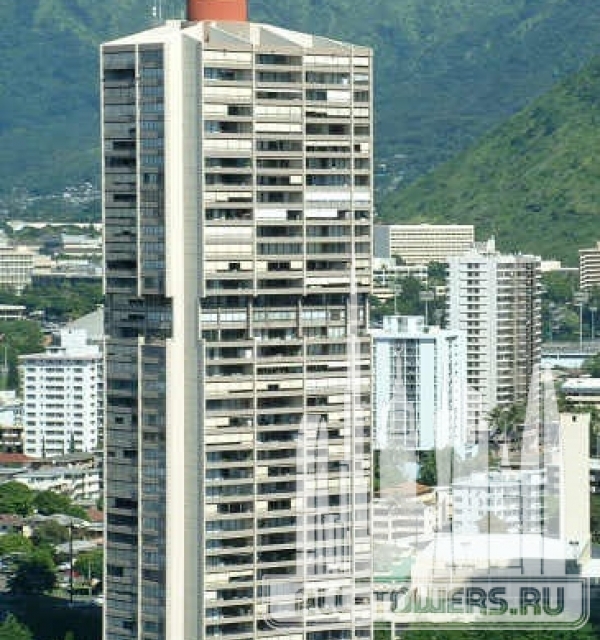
[234,10]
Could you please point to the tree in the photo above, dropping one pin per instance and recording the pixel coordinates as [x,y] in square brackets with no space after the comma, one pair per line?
[559,286]
[506,419]
[50,533]
[437,274]
[427,469]
[12,629]
[18,337]
[591,366]
[35,573]
[17,498]
[49,502]
[90,564]
[14,543]
[63,303]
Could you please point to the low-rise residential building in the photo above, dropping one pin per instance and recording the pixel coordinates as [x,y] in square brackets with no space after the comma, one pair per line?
[387,273]
[70,272]
[81,245]
[410,513]
[499,501]
[582,390]
[11,422]
[12,311]
[81,484]
[77,475]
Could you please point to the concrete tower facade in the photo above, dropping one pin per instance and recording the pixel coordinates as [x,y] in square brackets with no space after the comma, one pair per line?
[237,211]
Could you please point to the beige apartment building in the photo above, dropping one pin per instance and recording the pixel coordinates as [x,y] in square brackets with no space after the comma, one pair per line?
[16,267]
[237,208]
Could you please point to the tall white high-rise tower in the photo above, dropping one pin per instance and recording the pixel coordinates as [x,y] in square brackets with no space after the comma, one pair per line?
[495,300]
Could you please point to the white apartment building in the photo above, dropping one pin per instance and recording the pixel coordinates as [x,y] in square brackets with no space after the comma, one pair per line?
[418,379]
[62,397]
[238,212]
[494,300]
[422,243]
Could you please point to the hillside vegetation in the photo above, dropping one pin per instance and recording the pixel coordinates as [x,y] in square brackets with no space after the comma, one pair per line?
[447,70]
[534,181]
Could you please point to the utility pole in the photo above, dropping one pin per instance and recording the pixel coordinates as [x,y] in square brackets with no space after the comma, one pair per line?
[71,563]
[580,298]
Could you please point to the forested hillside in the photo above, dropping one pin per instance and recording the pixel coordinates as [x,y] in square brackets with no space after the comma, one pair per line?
[447,70]
[534,181]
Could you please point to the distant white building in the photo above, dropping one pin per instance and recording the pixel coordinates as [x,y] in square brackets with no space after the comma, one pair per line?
[419,375]
[81,245]
[589,267]
[16,267]
[422,243]
[62,397]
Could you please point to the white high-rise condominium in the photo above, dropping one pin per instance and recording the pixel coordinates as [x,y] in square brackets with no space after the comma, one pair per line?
[495,300]
[237,210]
[62,397]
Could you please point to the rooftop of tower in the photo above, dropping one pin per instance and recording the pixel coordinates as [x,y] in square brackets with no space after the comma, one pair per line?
[241,35]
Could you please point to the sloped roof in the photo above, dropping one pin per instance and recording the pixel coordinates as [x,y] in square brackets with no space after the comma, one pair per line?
[242,35]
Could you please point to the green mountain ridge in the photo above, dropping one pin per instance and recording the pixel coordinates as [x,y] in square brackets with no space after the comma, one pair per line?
[446,71]
[533,182]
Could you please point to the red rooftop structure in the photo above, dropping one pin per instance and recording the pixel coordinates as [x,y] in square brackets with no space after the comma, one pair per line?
[234,10]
